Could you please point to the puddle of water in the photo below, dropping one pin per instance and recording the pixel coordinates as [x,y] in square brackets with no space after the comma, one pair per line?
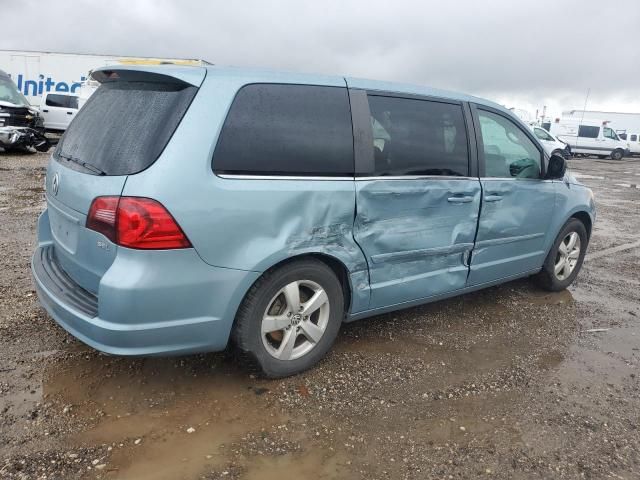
[541,297]
[305,466]
[158,401]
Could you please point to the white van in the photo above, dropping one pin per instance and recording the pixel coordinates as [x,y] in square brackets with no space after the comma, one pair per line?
[58,109]
[632,138]
[589,136]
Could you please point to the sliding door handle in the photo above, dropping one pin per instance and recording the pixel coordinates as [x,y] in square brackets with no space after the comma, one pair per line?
[460,199]
[493,198]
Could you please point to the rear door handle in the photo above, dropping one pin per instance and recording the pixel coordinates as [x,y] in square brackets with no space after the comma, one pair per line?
[69,113]
[493,198]
[460,199]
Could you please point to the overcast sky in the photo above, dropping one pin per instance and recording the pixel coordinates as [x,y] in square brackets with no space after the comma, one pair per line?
[523,54]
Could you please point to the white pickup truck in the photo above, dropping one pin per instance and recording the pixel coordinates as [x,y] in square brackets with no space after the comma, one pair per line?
[58,109]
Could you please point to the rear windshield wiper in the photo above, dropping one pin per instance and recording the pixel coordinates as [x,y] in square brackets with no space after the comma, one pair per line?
[82,163]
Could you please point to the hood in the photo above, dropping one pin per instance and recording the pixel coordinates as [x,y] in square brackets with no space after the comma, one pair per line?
[570,178]
[14,105]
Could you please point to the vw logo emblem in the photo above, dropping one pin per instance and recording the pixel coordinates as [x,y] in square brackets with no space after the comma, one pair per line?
[55,183]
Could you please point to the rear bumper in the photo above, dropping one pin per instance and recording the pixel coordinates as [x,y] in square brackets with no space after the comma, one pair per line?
[169,306]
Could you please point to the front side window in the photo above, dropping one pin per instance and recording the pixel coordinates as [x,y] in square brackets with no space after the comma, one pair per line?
[418,137]
[543,135]
[586,131]
[275,129]
[609,133]
[623,136]
[508,152]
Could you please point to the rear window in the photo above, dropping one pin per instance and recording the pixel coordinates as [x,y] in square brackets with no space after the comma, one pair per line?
[275,129]
[124,127]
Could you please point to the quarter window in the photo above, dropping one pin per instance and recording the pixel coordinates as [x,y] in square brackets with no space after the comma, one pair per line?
[508,152]
[418,137]
[278,129]
[587,131]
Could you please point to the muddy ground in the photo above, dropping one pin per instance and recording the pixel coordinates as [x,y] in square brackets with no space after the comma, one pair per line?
[503,383]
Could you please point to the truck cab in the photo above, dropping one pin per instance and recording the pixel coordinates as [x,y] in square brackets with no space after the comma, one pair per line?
[58,109]
[590,137]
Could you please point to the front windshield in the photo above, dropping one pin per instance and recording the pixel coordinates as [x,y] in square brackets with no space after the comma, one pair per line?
[543,135]
[9,93]
[609,133]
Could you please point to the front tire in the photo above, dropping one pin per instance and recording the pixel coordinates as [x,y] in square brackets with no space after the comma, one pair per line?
[617,154]
[565,258]
[290,318]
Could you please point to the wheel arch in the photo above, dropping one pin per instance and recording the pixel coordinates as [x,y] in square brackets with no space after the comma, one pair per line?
[334,263]
[585,218]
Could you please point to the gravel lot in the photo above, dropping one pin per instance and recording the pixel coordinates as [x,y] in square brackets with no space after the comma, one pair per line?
[503,383]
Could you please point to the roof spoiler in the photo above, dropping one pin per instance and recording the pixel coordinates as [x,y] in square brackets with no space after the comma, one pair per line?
[155,74]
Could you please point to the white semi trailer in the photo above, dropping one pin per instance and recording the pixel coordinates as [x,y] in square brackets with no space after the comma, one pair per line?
[37,73]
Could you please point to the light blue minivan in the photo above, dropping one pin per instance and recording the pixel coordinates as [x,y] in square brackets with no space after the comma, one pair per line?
[188,207]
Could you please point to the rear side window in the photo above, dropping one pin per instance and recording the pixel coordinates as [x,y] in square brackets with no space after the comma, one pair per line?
[634,138]
[62,101]
[588,132]
[124,127]
[418,137]
[275,129]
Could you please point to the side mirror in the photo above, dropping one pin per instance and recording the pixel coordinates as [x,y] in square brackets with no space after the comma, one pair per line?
[557,167]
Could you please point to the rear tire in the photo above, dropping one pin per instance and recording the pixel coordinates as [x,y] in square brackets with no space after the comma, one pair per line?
[565,258]
[290,318]
[617,155]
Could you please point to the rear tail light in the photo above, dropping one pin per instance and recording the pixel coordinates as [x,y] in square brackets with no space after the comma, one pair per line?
[136,222]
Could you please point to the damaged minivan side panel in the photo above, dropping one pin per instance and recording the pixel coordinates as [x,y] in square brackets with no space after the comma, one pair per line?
[269,215]
[417,203]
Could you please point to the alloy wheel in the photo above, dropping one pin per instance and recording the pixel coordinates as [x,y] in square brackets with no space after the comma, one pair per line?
[295,320]
[567,256]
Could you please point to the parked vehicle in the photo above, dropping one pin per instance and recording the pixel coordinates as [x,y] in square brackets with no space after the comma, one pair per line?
[268,208]
[552,145]
[633,140]
[590,136]
[21,126]
[626,125]
[58,109]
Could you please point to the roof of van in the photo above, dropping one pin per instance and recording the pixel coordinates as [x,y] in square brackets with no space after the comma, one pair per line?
[256,75]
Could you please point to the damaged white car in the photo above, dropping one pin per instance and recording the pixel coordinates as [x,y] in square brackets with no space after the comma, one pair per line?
[21,126]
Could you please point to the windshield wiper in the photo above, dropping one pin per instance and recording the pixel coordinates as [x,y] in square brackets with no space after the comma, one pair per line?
[82,163]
